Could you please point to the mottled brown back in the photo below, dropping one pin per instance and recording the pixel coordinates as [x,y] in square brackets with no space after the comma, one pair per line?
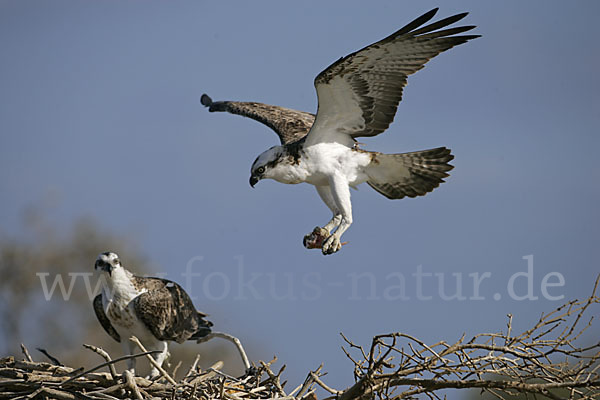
[167,311]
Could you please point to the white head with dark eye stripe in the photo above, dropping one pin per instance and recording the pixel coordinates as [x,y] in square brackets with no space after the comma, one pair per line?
[108,262]
[264,164]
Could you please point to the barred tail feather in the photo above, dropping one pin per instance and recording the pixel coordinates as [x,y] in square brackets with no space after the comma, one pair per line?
[409,174]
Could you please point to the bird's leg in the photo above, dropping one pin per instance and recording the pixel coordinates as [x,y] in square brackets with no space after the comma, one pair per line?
[128,348]
[333,223]
[160,357]
[340,192]
[315,239]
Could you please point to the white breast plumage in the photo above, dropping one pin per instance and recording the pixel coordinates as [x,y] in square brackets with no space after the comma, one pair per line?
[118,302]
[120,313]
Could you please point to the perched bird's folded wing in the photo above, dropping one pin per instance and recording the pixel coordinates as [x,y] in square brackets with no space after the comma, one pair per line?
[167,311]
[290,125]
[359,94]
[104,321]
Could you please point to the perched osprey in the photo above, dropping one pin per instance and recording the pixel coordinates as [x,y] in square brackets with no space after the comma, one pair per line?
[358,96]
[152,309]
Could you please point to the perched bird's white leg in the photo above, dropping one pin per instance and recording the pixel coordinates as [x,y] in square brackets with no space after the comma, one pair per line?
[160,358]
[128,348]
[340,191]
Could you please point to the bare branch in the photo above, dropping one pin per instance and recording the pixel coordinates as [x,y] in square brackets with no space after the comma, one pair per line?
[131,385]
[231,339]
[26,353]
[103,354]
[160,369]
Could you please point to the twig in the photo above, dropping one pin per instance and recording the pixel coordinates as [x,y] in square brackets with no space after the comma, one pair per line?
[274,378]
[209,374]
[153,361]
[116,360]
[508,340]
[193,367]
[233,340]
[323,385]
[26,353]
[131,385]
[32,395]
[104,396]
[308,382]
[174,373]
[58,394]
[53,359]
[109,389]
[103,354]
[224,375]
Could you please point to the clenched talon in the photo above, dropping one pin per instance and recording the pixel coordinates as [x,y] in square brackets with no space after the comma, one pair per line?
[331,245]
[315,239]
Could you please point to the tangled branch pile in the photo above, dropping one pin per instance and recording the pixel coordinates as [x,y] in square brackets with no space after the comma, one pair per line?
[31,380]
[543,360]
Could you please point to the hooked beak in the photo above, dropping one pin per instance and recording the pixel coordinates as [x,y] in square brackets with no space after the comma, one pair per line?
[104,266]
[253,180]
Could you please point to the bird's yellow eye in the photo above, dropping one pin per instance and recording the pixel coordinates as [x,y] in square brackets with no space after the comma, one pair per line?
[260,170]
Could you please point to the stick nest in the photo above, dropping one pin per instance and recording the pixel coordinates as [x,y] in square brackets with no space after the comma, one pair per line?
[27,379]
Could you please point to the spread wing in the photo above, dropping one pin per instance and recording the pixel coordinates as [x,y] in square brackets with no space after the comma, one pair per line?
[359,94]
[104,321]
[167,311]
[290,125]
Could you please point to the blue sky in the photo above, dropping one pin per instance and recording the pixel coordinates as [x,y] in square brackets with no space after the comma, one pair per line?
[100,117]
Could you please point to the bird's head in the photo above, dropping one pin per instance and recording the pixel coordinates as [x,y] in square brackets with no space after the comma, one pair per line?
[107,262]
[265,164]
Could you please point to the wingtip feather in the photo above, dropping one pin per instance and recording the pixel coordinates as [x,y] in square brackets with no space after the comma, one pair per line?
[206,100]
[439,24]
[432,12]
[419,21]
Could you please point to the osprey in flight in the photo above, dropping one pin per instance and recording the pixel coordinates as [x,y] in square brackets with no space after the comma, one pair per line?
[152,309]
[358,96]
